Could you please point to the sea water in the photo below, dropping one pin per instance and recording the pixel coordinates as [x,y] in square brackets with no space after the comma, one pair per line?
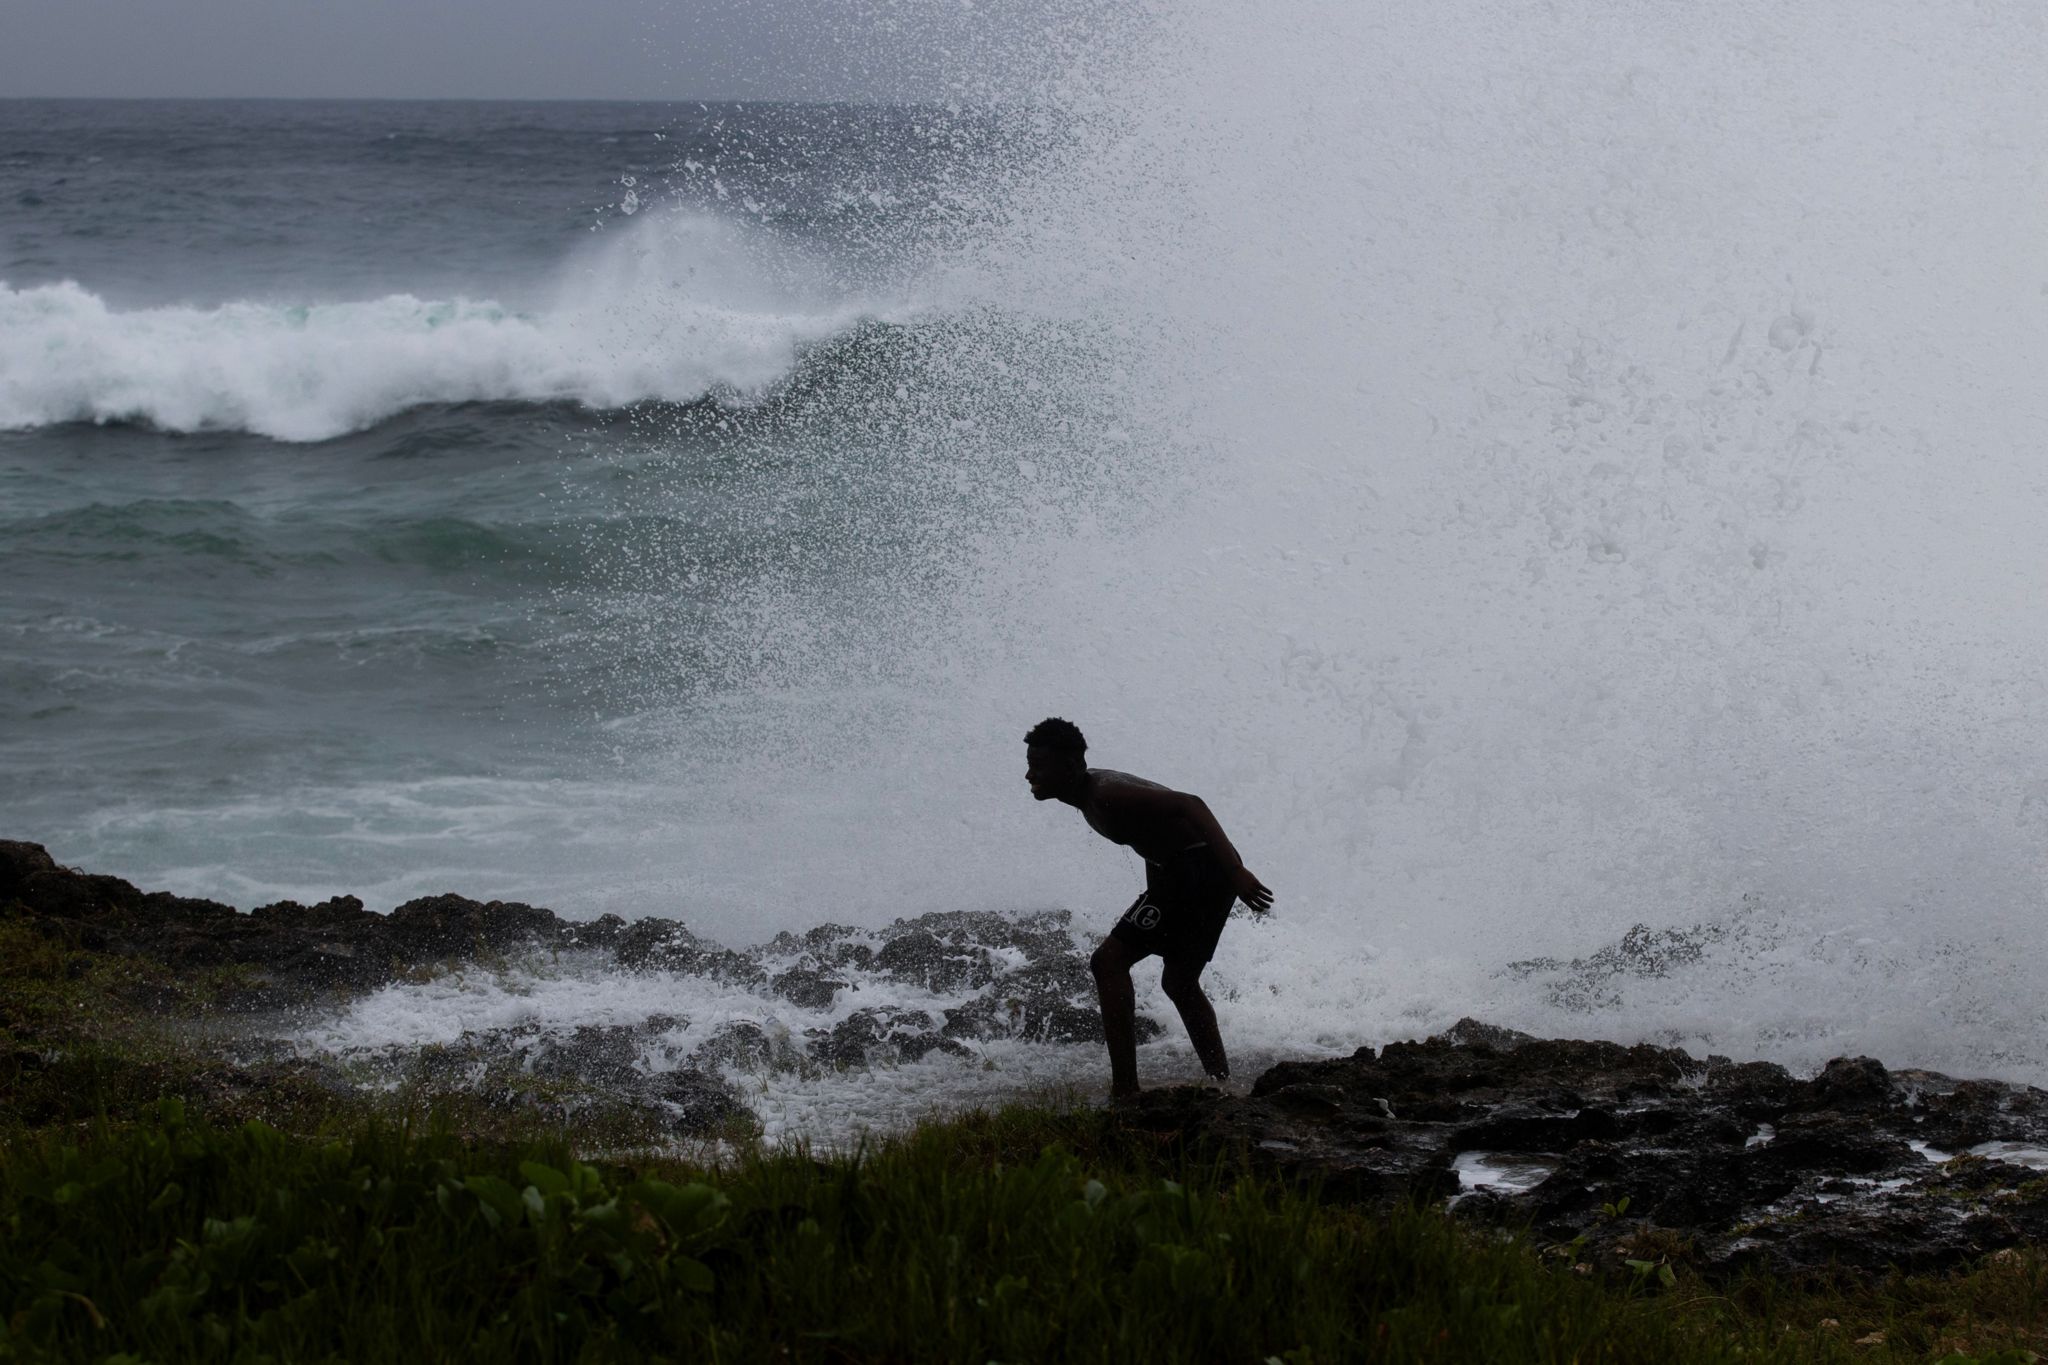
[1535,473]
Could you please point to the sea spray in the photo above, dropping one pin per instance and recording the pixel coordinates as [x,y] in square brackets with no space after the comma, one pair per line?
[1585,475]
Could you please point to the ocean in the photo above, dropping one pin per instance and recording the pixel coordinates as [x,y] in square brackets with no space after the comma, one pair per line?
[1534,475]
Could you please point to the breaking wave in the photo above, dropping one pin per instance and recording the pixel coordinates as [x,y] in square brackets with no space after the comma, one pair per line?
[672,310]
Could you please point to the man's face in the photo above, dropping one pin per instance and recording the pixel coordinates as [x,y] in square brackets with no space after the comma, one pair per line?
[1050,771]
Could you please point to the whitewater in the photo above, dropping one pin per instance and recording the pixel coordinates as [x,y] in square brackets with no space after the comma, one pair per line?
[674,311]
[1534,473]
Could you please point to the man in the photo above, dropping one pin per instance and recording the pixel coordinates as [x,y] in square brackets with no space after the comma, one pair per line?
[1192,875]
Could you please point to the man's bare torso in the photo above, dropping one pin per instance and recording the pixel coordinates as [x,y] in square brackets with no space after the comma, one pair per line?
[1151,836]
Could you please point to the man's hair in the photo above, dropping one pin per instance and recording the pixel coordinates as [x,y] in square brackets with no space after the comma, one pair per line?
[1054,733]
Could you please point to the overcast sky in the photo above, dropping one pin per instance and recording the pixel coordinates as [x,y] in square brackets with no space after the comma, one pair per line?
[501,49]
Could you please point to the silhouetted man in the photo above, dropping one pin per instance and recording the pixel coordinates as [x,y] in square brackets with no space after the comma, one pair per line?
[1192,875]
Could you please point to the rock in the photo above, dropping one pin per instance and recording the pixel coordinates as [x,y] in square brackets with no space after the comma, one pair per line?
[1051,1000]
[700,1103]
[665,945]
[745,1046]
[603,932]
[604,1055]
[1745,1164]
[882,1033]
[1472,1033]
[1596,981]
[293,951]
[19,863]
[806,989]
[450,926]
[572,1077]
[656,943]
[1851,1084]
[924,959]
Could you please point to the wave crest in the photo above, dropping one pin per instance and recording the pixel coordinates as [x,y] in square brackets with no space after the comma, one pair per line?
[673,311]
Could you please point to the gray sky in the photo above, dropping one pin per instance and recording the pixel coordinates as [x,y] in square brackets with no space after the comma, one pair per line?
[505,49]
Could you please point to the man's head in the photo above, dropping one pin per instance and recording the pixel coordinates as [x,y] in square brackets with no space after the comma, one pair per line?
[1055,759]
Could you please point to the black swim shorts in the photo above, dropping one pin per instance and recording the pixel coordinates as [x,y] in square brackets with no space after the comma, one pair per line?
[1180,916]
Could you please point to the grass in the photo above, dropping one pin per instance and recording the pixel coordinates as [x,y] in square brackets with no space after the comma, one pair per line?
[1021,1235]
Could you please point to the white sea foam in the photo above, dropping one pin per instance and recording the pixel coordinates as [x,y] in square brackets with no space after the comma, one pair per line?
[672,307]
[824,1104]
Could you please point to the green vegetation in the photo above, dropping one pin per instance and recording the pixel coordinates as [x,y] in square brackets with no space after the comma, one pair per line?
[1023,1235]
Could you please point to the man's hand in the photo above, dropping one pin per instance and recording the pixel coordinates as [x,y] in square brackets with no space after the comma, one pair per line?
[1252,891]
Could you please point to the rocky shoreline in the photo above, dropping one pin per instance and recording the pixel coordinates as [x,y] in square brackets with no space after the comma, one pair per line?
[1642,1156]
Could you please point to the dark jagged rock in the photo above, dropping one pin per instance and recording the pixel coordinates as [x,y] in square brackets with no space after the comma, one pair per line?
[442,927]
[605,1055]
[743,1045]
[603,932]
[1052,1000]
[828,946]
[623,1072]
[287,952]
[665,945]
[806,989]
[882,1033]
[655,942]
[1026,977]
[924,959]
[1023,976]
[1595,981]
[1648,1146]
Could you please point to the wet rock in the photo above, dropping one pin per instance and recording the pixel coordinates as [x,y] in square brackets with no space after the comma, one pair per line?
[881,1034]
[655,942]
[1051,1000]
[1473,1033]
[1752,1090]
[291,952]
[742,1045]
[603,932]
[806,989]
[922,958]
[1964,1114]
[624,1074]
[699,1103]
[664,945]
[606,1055]
[1596,981]
[19,863]
[1851,1084]
[1740,1164]
[448,926]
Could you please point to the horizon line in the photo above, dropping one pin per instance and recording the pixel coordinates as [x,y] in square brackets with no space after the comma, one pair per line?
[472,99]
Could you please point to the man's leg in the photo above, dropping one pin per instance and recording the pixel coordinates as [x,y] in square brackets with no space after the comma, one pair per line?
[1183,985]
[1112,967]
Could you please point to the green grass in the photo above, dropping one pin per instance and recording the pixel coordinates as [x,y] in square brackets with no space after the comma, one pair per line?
[1016,1236]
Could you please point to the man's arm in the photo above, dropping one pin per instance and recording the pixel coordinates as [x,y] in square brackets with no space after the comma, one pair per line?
[1250,889]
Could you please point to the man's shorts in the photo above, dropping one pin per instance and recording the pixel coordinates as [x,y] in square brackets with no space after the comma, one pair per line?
[1181,914]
